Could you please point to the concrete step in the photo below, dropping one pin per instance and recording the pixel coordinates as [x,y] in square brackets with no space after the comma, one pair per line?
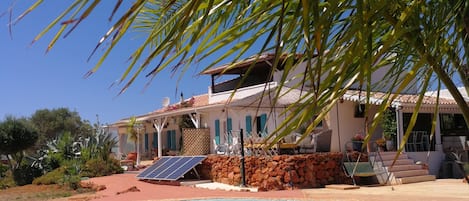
[399,162]
[415,179]
[410,173]
[397,168]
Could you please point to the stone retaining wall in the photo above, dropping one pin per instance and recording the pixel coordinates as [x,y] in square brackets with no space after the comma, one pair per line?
[277,172]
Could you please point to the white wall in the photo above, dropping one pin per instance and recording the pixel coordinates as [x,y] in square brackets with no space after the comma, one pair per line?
[240,93]
[238,118]
[344,125]
[434,160]
[378,80]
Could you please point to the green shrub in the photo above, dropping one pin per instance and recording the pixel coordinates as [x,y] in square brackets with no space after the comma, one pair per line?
[7,181]
[98,167]
[59,176]
[3,170]
[53,177]
[25,174]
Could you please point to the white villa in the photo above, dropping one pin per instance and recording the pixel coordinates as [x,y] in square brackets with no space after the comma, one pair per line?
[216,116]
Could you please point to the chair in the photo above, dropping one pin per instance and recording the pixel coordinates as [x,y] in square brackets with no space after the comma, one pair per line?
[306,145]
[219,148]
[411,145]
[235,148]
[316,142]
[323,140]
[423,141]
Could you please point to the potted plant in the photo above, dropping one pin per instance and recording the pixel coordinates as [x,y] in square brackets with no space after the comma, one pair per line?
[357,142]
[133,137]
[381,142]
[389,126]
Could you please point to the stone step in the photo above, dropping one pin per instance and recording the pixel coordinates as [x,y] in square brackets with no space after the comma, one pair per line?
[415,179]
[397,168]
[399,162]
[410,173]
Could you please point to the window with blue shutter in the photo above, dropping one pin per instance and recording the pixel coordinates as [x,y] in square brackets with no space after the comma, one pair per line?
[146,141]
[229,128]
[263,121]
[173,139]
[217,131]
[155,140]
[248,125]
[168,139]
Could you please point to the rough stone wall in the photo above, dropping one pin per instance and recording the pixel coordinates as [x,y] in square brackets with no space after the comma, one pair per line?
[277,172]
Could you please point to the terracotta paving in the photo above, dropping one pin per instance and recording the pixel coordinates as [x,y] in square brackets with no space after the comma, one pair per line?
[445,189]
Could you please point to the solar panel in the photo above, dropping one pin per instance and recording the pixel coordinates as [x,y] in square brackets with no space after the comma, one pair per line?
[165,165]
[150,169]
[170,167]
[182,169]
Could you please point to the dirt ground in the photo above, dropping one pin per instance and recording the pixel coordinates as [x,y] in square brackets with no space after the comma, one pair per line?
[117,188]
[35,192]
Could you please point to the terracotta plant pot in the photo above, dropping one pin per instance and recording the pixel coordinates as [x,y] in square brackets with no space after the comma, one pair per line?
[132,156]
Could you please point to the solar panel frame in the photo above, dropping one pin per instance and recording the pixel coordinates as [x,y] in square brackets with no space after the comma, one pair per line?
[171,167]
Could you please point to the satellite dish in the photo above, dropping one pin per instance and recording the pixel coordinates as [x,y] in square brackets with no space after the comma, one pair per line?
[165,102]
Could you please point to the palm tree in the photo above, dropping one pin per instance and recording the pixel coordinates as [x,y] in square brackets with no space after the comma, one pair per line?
[347,40]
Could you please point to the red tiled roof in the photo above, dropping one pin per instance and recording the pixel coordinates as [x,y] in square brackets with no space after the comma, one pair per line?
[193,102]
[402,98]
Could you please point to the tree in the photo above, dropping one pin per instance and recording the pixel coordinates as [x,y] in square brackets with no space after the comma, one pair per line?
[15,137]
[50,123]
[348,40]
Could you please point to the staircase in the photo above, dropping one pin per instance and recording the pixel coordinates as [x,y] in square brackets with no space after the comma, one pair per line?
[404,170]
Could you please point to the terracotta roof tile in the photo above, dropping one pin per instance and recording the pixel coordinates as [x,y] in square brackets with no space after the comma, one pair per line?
[404,98]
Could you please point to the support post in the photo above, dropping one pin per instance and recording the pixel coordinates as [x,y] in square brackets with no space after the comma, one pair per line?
[243,171]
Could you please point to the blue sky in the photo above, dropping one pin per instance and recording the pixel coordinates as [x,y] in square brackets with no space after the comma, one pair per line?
[33,80]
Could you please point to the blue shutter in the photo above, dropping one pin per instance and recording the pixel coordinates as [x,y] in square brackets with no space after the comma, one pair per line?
[248,125]
[229,127]
[146,141]
[263,123]
[173,139]
[155,140]
[217,131]
[168,139]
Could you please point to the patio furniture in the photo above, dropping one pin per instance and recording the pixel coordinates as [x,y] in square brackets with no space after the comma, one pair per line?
[220,149]
[323,140]
[418,141]
[355,167]
[255,146]
[287,148]
[307,144]
[316,142]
